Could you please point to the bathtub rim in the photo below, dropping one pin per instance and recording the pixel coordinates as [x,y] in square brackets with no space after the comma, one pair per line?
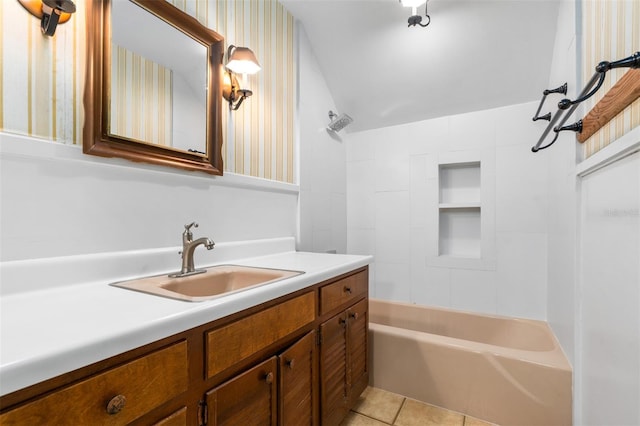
[553,358]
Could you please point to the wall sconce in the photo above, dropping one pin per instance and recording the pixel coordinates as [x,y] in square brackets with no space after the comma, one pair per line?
[50,12]
[416,19]
[240,60]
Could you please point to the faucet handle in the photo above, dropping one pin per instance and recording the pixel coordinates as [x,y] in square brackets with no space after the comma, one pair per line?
[188,226]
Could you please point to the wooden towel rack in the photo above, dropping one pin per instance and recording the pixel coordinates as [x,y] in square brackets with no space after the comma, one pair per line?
[621,95]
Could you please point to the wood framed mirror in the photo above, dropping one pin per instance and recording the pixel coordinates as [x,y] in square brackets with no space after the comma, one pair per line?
[153,89]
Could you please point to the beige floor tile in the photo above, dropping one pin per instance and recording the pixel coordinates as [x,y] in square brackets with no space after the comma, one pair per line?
[415,413]
[355,419]
[472,421]
[379,404]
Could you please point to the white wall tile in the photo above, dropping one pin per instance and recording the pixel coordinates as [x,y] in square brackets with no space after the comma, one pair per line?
[514,195]
[361,241]
[373,292]
[391,143]
[393,281]
[392,227]
[322,241]
[474,290]
[474,130]
[361,210]
[305,229]
[420,191]
[361,177]
[321,205]
[360,146]
[516,126]
[434,289]
[521,190]
[429,136]
[522,275]
[338,205]
[392,175]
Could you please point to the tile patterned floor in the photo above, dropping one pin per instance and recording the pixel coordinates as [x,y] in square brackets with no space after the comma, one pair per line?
[378,407]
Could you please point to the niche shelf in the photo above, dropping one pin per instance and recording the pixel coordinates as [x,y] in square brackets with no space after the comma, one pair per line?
[459,210]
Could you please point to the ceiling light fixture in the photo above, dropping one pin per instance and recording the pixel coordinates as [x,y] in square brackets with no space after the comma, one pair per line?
[416,19]
[240,60]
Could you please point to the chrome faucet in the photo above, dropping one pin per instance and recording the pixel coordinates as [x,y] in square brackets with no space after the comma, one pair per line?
[188,247]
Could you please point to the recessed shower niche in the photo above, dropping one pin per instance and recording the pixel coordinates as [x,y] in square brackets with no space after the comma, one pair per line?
[459,210]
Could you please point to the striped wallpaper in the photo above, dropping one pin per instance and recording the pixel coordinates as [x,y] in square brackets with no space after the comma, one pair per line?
[42,80]
[141,97]
[611,31]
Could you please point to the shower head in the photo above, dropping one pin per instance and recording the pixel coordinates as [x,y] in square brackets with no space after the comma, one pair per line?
[338,122]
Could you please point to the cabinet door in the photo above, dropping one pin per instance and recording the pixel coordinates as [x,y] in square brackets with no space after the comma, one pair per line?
[333,369]
[297,383]
[179,418]
[357,338]
[247,399]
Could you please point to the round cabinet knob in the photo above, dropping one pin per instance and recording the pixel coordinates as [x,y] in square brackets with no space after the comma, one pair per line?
[354,315]
[116,404]
[347,290]
[268,378]
[290,363]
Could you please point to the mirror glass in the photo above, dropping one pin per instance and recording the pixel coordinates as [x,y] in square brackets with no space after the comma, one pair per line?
[158,81]
[153,89]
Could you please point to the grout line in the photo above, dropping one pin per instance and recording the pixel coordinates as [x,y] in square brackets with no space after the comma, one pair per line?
[400,409]
[364,415]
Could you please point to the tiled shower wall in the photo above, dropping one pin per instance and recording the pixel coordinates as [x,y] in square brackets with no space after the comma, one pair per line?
[259,137]
[392,183]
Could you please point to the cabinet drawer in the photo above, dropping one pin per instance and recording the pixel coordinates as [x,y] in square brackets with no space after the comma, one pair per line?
[145,383]
[239,340]
[344,291]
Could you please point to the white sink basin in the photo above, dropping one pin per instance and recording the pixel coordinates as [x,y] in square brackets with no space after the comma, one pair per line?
[215,282]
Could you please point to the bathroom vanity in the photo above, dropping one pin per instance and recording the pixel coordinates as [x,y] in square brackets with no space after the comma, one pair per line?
[298,358]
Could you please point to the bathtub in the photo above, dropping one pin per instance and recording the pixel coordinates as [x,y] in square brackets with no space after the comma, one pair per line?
[503,370]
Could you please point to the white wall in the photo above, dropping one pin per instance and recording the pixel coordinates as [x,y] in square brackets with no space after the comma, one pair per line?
[608,373]
[322,161]
[563,187]
[58,202]
[594,259]
[392,211]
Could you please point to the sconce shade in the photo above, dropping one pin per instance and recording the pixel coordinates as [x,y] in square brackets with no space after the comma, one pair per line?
[242,61]
[61,5]
[35,8]
[50,12]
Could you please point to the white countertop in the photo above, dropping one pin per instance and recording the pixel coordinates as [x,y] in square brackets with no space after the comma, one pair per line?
[51,331]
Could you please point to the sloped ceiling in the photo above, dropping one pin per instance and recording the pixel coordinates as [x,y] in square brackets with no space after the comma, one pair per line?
[475,54]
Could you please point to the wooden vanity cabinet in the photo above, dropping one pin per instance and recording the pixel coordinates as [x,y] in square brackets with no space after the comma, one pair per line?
[344,368]
[298,360]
